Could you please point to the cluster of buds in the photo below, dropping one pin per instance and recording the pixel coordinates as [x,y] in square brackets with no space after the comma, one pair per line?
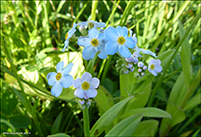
[141,69]
[83,102]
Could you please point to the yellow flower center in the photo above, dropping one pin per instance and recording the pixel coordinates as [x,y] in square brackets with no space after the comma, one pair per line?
[85,85]
[58,76]
[66,36]
[152,66]
[121,40]
[94,42]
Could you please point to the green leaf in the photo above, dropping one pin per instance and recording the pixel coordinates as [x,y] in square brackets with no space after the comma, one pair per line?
[102,99]
[59,135]
[8,102]
[8,124]
[56,125]
[126,127]
[177,117]
[20,121]
[127,82]
[148,112]
[107,118]
[196,133]
[147,128]
[185,56]
[193,102]
[165,57]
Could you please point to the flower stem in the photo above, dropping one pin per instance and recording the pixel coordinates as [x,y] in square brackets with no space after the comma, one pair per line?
[106,68]
[86,121]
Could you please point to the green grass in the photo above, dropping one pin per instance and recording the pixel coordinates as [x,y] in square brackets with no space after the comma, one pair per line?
[32,36]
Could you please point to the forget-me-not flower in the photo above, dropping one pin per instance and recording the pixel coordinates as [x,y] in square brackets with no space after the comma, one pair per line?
[155,66]
[61,79]
[118,41]
[68,35]
[86,86]
[93,24]
[93,43]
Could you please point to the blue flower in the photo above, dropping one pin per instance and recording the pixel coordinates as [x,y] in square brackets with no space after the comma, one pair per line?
[86,86]
[93,24]
[93,43]
[118,41]
[69,34]
[155,66]
[61,79]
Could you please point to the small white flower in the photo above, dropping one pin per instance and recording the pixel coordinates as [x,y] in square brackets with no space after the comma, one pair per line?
[69,34]
[61,79]
[86,86]
[154,66]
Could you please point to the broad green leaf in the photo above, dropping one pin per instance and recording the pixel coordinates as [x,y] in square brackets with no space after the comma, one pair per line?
[126,127]
[127,82]
[8,102]
[185,56]
[59,135]
[147,128]
[177,116]
[108,117]
[20,121]
[102,99]
[165,57]
[193,102]
[56,125]
[186,134]
[147,112]
[141,97]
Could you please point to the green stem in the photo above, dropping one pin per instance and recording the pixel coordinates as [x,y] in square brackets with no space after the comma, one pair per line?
[166,67]
[93,10]
[86,121]
[106,69]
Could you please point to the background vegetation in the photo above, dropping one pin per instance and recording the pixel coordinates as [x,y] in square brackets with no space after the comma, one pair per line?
[32,36]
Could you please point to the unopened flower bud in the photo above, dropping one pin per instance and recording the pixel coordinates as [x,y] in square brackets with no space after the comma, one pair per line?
[140,64]
[129,66]
[139,70]
[145,68]
[142,73]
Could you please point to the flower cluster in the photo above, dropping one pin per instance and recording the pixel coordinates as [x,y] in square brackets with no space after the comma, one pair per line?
[102,42]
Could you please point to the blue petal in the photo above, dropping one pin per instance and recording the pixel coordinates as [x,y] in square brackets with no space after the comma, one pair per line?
[56,89]
[102,54]
[91,93]
[67,69]
[88,52]
[86,77]
[83,41]
[51,77]
[111,47]
[130,42]
[124,51]
[66,81]
[111,33]
[60,66]
[93,33]
[79,92]
[65,45]
[123,31]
